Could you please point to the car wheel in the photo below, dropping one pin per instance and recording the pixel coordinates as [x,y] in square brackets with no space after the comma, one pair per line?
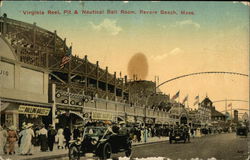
[128,152]
[74,153]
[106,151]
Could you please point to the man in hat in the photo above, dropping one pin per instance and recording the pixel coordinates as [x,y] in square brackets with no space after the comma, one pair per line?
[123,130]
[76,133]
[51,137]
[67,135]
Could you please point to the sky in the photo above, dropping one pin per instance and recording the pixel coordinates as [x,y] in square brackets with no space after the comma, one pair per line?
[214,38]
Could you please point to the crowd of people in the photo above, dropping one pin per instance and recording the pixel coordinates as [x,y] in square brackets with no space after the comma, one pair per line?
[22,141]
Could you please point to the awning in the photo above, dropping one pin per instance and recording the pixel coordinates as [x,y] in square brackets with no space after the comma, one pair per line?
[4,105]
[26,102]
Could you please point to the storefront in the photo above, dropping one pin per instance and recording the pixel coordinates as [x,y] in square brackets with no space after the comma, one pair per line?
[16,113]
[24,90]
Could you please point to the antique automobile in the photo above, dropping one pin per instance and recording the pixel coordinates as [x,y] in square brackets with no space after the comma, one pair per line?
[241,131]
[101,142]
[178,134]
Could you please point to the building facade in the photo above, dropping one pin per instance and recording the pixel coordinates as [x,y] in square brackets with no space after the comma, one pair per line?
[35,84]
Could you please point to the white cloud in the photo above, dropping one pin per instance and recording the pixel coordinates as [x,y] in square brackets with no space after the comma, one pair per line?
[186,22]
[173,52]
[243,2]
[107,25]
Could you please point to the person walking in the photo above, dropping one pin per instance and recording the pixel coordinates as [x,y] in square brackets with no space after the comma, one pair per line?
[27,135]
[51,137]
[76,133]
[11,139]
[67,135]
[43,134]
[192,132]
[60,138]
[21,140]
[3,139]
[145,134]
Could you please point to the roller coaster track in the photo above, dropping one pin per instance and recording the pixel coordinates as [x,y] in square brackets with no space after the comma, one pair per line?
[235,109]
[192,74]
[229,100]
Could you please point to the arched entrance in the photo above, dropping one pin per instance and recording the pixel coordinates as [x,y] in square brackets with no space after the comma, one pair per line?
[70,118]
[183,120]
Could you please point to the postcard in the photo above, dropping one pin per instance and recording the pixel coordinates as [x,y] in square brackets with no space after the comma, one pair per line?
[124,80]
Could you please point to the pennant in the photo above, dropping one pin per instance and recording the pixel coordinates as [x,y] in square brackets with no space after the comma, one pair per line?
[185,99]
[176,95]
[197,97]
[196,100]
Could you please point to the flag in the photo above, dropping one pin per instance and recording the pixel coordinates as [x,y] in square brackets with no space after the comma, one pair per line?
[230,105]
[66,58]
[196,100]
[176,95]
[185,99]
[197,97]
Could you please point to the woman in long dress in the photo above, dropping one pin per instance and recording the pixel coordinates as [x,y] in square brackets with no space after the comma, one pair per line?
[43,135]
[3,139]
[60,138]
[26,145]
[12,138]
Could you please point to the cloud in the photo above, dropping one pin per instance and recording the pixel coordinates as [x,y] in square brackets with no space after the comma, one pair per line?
[173,52]
[185,23]
[243,2]
[107,25]
[125,1]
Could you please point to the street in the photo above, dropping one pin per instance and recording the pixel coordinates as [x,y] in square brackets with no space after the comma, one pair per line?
[223,146]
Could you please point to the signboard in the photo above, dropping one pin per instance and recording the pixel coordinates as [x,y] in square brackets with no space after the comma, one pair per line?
[33,110]
[130,119]
[102,116]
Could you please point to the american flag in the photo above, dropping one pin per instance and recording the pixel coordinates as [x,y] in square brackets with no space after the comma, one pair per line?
[176,95]
[197,100]
[66,58]
[185,99]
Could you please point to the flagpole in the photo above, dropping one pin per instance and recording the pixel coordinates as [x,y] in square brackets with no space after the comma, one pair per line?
[225,106]
[231,111]
[179,106]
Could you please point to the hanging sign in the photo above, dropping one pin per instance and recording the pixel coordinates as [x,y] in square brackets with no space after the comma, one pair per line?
[101,116]
[33,110]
